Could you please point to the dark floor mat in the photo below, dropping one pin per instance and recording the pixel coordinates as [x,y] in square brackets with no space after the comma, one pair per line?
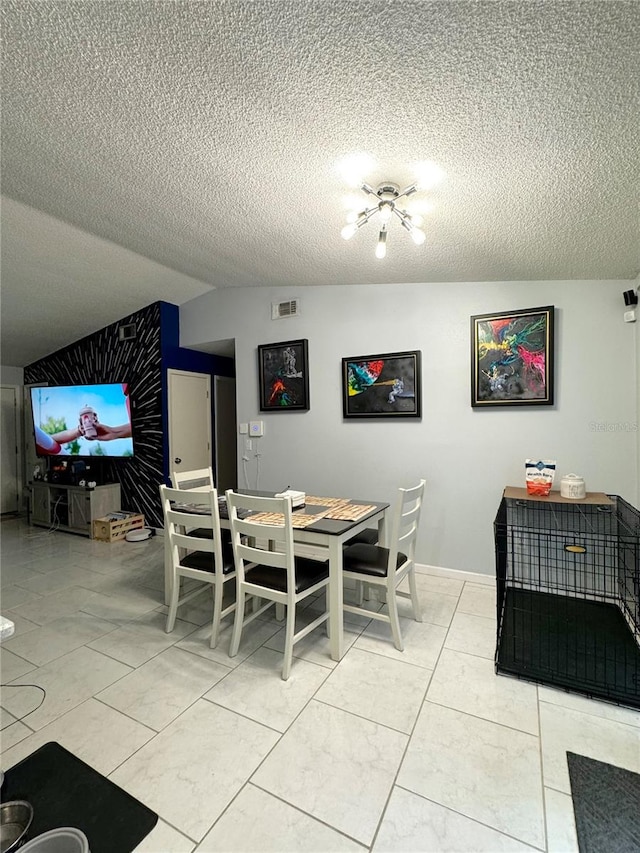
[64,791]
[606,804]
[567,642]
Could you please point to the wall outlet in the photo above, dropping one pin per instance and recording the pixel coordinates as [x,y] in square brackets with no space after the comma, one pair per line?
[256,428]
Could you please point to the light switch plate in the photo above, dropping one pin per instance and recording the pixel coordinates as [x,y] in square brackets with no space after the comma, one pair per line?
[256,428]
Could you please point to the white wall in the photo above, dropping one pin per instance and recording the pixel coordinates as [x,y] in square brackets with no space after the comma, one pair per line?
[466,455]
[11,375]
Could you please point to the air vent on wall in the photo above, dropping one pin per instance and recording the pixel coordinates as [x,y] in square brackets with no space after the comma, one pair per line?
[279,310]
[127,332]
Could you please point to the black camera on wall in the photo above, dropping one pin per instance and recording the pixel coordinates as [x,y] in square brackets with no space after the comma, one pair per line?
[630,298]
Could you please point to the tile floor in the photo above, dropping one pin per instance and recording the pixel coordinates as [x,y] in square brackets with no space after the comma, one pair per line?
[426,750]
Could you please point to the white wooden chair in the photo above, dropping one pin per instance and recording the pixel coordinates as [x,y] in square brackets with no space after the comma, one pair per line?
[207,558]
[198,480]
[275,573]
[388,567]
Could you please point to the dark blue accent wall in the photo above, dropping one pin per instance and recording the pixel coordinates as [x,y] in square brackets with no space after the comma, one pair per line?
[142,362]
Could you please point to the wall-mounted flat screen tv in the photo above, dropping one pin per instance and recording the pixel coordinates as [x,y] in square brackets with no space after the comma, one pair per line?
[82,420]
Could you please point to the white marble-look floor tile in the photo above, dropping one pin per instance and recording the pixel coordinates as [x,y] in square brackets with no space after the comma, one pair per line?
[122,608]
[161,689]
[57,605]
[475,635]
[141,639]
[436,607]
[383,690]
[256,821]
[412,824]
[13,731]
[68,681]
[438,583]
[470,765]
[211,750]
[14,597]
[315,647]
[630,716]
[565,730]
[95,733]
[12,666]
[255,689]
[17,574]
[53,581]
[336,767]
[468,683]
[422,641]
[57,638]
[561,826]
[253,636]
[478,599]
[20,624]
[199,611]
[165,839]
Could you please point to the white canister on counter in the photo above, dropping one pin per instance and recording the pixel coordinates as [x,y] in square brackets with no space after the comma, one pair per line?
[572,486]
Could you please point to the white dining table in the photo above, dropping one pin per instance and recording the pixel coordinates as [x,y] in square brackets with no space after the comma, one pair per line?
[322,540]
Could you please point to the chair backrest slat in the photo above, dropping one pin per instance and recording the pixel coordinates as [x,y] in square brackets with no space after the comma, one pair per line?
[177,523]
[404,527]
[249,536]
[198,480]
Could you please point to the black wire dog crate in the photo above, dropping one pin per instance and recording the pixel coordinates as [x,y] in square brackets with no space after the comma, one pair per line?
[568,583]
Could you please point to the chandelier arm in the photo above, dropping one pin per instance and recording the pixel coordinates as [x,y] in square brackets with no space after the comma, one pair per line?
[410,190]
[369,190]
[402,216]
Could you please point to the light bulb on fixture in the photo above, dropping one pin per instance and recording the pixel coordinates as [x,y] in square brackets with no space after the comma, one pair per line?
[381,248]
[385,208]
[387,198]
[418,236]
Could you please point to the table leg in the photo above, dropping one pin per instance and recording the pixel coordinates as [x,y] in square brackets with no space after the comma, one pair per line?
[336,627]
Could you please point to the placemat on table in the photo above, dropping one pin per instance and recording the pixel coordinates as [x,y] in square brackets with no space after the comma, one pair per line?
[277,518]
[350,512]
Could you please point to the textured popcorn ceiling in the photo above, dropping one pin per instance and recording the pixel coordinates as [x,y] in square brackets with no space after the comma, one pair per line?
[204,137]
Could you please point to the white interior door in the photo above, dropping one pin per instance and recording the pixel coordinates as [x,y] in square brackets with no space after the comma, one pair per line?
[9,451]
[225,427]
[189,401]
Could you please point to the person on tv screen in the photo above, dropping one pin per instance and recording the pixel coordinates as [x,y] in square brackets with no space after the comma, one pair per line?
[52,444]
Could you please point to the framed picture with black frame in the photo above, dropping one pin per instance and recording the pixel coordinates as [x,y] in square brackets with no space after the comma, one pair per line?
[512,357]
[387,385]
[283,371]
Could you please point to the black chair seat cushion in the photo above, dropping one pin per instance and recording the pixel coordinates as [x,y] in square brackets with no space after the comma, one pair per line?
[365,537]
[369,560]
[204,561]
[308,573]
[207,533]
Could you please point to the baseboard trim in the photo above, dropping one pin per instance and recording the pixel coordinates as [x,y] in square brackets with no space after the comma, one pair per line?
[455,574]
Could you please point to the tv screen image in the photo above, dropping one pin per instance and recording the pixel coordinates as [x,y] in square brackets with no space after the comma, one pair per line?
[82,420]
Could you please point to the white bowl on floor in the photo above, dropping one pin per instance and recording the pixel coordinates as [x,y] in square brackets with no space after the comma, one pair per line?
[64,839]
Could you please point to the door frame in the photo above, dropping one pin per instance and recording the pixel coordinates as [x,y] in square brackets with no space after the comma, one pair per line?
[19,433]
[173,371]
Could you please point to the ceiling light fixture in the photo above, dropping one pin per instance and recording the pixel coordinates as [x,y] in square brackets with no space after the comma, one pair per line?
[387,197]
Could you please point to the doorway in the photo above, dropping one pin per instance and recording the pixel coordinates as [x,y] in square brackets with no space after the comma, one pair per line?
[224,404]
[10,458]
[189,404]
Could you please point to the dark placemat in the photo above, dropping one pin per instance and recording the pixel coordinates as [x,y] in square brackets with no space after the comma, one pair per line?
[606,805]
[64,791]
